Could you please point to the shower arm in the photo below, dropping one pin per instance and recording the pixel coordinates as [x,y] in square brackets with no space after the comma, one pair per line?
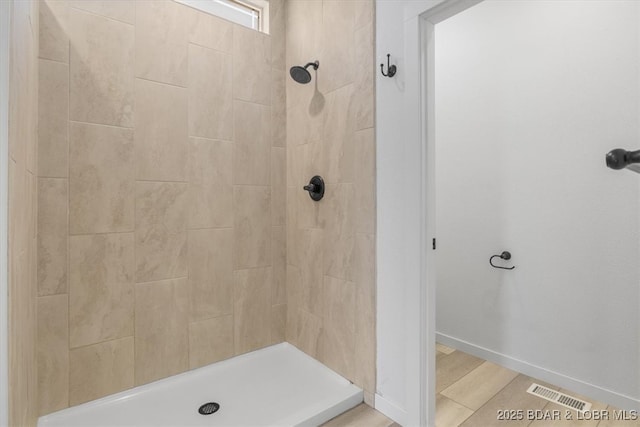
[315,65]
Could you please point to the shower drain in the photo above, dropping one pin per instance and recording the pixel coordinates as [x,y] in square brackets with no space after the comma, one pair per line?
[208,408]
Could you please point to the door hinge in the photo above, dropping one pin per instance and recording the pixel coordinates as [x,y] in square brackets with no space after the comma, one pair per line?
[433,243]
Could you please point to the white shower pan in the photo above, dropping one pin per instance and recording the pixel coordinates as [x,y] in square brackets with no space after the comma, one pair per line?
[274,386]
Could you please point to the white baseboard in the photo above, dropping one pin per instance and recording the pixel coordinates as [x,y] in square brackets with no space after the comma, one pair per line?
[589,390]
[390,410]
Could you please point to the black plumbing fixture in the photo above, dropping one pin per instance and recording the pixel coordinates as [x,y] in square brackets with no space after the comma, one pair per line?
[620,158]
[391,69]
[315,188]
[301,74]
[209,408]
[505,255]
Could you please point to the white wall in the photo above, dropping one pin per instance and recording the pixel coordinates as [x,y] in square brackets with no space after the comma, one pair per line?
[399,169]
[530,95]
[390,297]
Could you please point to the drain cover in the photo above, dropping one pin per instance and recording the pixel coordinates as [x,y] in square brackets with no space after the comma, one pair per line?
[208,408]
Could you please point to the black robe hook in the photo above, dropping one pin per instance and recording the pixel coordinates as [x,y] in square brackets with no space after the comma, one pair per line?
[391,69]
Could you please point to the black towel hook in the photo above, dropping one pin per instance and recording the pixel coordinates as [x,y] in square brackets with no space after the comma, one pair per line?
[391,69]
[505,256]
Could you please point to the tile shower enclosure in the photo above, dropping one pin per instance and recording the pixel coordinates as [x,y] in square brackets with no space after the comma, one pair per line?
[173,230]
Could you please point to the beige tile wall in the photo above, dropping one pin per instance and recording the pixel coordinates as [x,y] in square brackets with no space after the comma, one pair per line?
[173,231]
[330,132]
[161,183]
[22,211]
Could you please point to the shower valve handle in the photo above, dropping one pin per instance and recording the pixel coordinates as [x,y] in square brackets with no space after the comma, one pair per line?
[315,188]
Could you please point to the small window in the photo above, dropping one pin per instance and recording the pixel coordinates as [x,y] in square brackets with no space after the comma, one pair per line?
[249,13]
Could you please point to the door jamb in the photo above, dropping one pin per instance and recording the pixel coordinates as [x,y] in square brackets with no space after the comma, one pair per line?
[427,22]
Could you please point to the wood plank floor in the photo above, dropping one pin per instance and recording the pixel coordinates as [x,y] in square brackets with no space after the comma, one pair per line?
[472,392]
[361,416]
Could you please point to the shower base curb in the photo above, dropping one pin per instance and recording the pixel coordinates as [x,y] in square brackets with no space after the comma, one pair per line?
[277,385]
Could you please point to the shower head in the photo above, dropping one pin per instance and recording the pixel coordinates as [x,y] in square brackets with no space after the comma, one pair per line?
[301,74]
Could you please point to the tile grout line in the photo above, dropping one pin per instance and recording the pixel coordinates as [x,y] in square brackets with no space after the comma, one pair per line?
[88,12]
[135,204]
[100,342]
[54,60]
[200,45]
[130,129]
[488,400]
[68,210]
[463,405]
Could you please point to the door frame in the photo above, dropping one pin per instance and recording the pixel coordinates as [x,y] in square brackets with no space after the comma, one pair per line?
[405,173]
[428,268]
